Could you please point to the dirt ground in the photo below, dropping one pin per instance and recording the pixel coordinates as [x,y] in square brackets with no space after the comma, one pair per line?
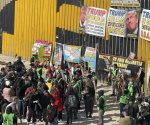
[111,116]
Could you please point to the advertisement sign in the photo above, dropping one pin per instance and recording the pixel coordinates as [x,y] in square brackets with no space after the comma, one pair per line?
[115,22]
[72,53]
[95,22]
[58,54]
[123,23]
[39,46]
[90,57]
[145,25]
[125,3]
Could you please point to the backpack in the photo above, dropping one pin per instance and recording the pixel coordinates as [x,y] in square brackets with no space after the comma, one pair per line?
[72,101]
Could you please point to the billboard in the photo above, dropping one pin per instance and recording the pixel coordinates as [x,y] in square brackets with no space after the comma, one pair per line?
[123,23]
[93,20]
[115,22]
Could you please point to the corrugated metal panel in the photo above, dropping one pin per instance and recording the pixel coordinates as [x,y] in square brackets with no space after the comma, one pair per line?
[144,47]
[38,19]
[34,19]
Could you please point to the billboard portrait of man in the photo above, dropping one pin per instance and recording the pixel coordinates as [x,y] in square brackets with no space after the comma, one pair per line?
[83,16]
[131,22]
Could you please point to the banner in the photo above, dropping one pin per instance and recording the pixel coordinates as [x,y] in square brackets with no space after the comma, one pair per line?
[72,53]
[132,23]
[145,25]
[39,46]
[95,22]
[125,3]
[123,23]
[115,22]
[90,57]
[122,62]
[58,54]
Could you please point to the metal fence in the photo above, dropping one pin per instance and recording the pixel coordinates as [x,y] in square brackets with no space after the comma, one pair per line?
[114,46]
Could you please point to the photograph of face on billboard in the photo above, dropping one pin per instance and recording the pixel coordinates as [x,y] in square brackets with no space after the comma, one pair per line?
[131,23]
[83,16]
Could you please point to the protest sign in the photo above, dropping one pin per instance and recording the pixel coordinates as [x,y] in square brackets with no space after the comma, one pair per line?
[145,25]
[72,53]
[58,54]
[40,45]
[95,22]
[116,22]
[90,57]
[121,61]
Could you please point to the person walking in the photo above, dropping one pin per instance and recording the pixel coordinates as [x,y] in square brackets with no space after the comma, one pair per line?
[101,106]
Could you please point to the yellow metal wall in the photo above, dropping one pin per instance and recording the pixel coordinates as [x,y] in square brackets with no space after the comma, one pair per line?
[38,19]
[144,55]
[34,20]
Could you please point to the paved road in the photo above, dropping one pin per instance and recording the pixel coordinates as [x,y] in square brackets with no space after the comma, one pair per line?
[111,116]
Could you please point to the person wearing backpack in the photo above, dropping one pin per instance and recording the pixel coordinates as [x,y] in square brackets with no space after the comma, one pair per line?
[71,105]
[89,96]
[51,116]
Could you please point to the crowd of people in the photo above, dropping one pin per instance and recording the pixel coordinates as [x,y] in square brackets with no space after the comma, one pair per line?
[127,88]
[45,92]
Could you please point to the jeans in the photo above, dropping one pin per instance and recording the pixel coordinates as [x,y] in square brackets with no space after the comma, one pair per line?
[54,122]
[121,109]
[101,115]
[113,83]
[21,108]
